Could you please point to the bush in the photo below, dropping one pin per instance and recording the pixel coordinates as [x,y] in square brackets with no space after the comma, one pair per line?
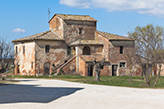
[53,73]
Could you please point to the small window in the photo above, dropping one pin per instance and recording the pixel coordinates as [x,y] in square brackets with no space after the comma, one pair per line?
[47,48]
[32,65]
[23,49]
[80,30]
[68,50]
[121,49]
[53,65]
[122,64]
[16,50]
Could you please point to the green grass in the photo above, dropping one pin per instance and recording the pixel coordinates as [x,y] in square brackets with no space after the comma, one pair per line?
[124,81]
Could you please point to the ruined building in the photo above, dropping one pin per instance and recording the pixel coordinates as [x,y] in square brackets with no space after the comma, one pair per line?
[69,47]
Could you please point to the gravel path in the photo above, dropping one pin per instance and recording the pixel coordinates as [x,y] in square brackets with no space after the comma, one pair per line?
[58,94]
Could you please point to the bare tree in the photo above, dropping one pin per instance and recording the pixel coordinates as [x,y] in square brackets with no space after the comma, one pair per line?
[6,55]
[130,57]
[98,65]
[148,43]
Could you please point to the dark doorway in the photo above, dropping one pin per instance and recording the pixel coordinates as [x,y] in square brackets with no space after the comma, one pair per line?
[114,70]
[86,51]
[47,68]
[90,70]
[18,69]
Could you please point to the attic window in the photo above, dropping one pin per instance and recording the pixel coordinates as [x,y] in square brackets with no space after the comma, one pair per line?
[47,48]
[80,30]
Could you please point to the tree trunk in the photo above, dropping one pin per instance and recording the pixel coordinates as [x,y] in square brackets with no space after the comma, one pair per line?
[97,75]
[151,74]
[159,71]
[131,73]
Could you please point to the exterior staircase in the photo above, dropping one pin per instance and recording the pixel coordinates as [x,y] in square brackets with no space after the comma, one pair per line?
[64,64]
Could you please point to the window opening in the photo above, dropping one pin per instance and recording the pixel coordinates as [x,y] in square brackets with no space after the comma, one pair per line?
[122,64]
[47,48]
[23,49]
[121,49]
[80,30]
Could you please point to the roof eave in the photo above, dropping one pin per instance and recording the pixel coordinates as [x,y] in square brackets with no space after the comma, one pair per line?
[37,39]
[121,40]
[79,20]
[52,18]
[85,44]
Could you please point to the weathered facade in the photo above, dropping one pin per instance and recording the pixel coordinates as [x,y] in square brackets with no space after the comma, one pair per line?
[70,46]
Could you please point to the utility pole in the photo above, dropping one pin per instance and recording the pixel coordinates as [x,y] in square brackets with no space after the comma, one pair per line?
[48,13]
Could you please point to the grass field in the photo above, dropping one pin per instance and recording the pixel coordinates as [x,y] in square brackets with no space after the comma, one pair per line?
[137,81]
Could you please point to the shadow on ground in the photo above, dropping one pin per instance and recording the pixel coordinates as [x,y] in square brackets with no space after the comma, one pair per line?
[30,93]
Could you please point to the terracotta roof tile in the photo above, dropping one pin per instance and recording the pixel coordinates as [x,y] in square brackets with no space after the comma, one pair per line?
[113,36]
[86,42]
[48,35]
[75,17]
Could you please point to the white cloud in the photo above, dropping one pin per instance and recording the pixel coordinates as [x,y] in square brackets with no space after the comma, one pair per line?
[18,30]
[77,3]
[150,7]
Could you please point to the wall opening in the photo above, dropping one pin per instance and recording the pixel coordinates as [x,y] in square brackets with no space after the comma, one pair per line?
[121,49]
[47,48]
[18,69]
[47,68]
[114,70]
[90,70]
[86,51]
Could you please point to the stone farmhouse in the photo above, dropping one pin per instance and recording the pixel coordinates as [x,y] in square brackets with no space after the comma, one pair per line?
[70,46]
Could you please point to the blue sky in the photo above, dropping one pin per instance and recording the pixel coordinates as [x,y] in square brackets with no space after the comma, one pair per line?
[20,18]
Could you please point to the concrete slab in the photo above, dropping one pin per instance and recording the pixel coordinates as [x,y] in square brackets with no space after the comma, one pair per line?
[58,94]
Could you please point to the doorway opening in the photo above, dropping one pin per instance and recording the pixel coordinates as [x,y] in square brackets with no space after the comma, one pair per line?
[114,70]
[47,68]
[90,70]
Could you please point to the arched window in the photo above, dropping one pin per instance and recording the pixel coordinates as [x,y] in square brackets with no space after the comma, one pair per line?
[86,51]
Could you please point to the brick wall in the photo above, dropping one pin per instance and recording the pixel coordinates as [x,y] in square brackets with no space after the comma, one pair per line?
[82,67]
[105,51]
[56,55]
[56,24]
[70,68]
[71,30]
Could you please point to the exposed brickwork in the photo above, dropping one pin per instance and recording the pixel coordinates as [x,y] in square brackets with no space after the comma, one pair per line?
[105,71]
[56,24]
[79,32]
[71,30]
[70,68]
[82,67]
[105,41]
[57,54]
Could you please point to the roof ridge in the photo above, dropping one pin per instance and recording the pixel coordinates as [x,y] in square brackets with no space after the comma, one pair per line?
[43,33]
[57,34]
[111,36]
[110,33]
[73,14]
